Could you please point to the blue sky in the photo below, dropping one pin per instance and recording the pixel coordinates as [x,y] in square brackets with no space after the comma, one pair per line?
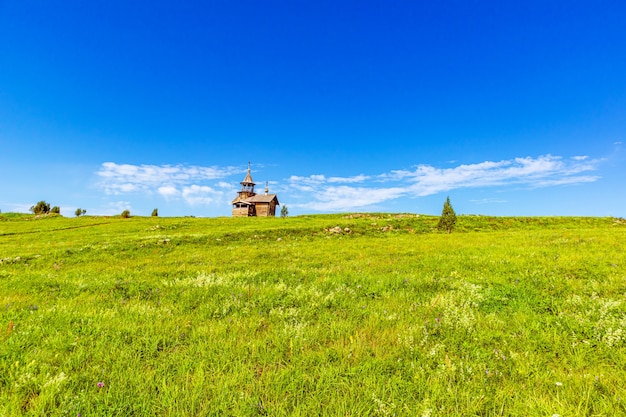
[508,107]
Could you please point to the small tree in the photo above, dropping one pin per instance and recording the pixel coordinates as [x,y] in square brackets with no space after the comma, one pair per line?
[41,208]
[55,210]
[448,217]
[80,212]
[284,212]
[125,214]
[155,213]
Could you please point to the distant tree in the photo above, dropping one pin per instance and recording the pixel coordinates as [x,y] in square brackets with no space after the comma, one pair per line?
[41,208]
[155,212]
[448,217]
[55,210]
[125,214]
[284,212]
[80,212]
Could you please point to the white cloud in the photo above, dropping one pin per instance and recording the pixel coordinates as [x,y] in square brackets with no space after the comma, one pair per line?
[424,180]
[200,195]
[565,180]
[20,208]
[348,198]
[168,181]
[127,188]
[311,180]
[168,191]
[428,180]
[349,180]
[126,178]
[488,201]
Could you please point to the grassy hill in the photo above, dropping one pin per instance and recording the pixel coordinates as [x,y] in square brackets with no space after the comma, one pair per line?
[353,314]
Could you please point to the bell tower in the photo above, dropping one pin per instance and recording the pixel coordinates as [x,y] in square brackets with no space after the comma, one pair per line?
[247,186]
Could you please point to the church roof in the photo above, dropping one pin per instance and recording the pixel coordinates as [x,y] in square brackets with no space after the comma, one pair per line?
[240,199]
[261,198]
[248,179]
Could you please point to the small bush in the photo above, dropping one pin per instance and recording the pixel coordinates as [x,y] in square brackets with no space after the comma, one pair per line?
[155,213]
[448,217]
[125,214]
[41,208]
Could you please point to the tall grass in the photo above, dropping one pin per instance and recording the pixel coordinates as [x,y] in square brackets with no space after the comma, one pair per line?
[362,314]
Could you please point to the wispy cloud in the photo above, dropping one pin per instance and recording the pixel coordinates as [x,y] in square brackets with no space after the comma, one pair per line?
[201,195]
[533,172]
[349,180]
[169,181]
[114,208]
[424,180]
[19,208]
[489,201]
[168,191]
[332,198]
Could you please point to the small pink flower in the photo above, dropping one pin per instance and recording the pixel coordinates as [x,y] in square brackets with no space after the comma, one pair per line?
[100,384]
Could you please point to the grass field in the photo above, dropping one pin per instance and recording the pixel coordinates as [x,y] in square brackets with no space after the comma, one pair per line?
[339,315]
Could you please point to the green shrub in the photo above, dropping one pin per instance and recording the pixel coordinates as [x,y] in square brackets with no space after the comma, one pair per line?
[448,217]
[125,214]
[41,208]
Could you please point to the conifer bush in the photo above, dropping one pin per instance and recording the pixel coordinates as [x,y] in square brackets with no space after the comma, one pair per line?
[447,220]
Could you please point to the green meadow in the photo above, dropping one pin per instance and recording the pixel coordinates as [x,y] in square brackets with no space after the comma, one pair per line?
[331,315]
